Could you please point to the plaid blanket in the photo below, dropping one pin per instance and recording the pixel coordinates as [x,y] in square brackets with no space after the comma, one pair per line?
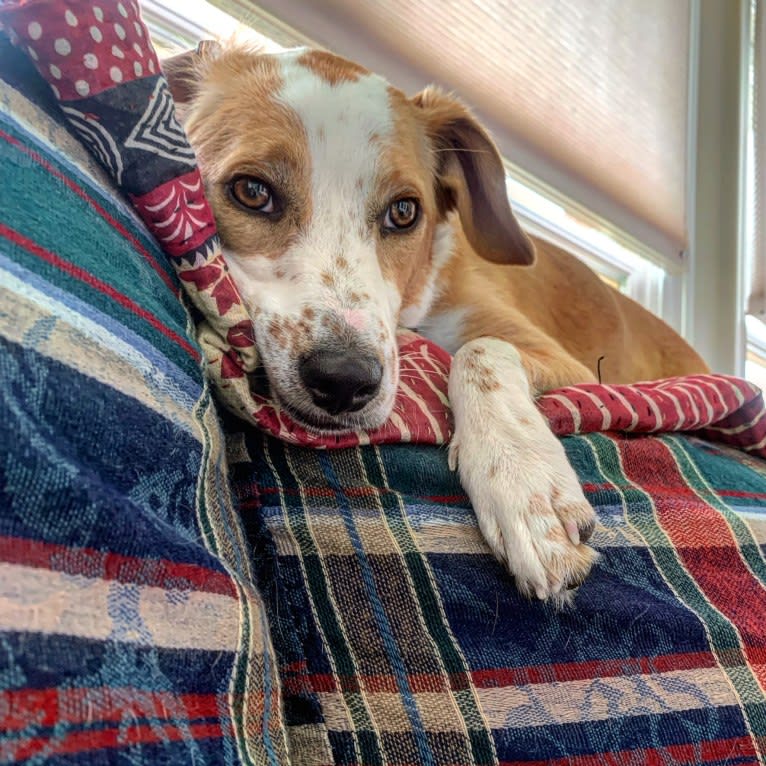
[402,641]
[137,616]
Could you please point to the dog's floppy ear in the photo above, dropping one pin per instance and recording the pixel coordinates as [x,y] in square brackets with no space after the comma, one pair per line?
[470,176]
[183,71]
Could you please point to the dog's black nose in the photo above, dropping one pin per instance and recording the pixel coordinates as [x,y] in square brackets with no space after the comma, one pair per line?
[341,381]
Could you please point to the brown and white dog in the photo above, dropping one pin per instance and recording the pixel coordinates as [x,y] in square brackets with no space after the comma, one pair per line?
[347,209]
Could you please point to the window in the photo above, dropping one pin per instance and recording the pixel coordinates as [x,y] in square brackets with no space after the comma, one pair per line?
[755,195]
[177,25]
[561,221]
[755,361]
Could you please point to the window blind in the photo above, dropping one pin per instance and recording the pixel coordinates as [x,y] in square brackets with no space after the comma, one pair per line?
[589,96]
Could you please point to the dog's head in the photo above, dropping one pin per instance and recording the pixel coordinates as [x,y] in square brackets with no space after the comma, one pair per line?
[333,193]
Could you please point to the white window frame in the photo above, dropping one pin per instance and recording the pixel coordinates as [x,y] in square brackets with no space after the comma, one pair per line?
[754,362]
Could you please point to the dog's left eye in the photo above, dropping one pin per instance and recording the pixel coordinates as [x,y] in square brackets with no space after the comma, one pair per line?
[253,194]
[401,214]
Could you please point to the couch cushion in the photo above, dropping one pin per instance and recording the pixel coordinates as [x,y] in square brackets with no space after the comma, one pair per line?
[127,622]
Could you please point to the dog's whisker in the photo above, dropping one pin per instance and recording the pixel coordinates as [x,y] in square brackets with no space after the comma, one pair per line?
[456,150]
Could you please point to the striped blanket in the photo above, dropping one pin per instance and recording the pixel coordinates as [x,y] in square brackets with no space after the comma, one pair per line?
[341,608]
[130,629]
[402,641]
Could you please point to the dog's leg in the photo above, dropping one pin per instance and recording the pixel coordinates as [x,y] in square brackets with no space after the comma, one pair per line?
[526,496]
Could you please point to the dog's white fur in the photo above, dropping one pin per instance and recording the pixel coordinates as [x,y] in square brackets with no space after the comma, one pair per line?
[336,227]
[527,498]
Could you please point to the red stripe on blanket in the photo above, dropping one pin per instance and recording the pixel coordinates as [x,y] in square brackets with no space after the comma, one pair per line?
[725,750]
[90,562]
[372,684]
[660,488]
[493,678]
[323,492]
[702,546]
[23,708]
[117,737]
[82,194]
[686,404]
[576,671]
[96,283]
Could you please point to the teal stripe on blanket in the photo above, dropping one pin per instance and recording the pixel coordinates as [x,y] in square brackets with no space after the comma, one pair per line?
[94,261]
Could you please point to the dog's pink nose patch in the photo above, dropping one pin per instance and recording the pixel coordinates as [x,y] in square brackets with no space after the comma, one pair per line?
[355,318]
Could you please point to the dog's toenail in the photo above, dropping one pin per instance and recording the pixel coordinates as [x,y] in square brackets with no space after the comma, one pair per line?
[587,530]
[576,583]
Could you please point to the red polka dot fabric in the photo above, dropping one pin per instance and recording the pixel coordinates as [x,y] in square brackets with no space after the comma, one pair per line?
[85,48]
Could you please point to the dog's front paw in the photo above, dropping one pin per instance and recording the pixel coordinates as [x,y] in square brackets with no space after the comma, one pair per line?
[526,496]
[530,509]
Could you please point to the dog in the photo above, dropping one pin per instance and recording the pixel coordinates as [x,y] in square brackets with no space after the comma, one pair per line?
[346,210]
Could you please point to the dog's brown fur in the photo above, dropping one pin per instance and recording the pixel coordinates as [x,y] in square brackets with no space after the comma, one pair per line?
[563,318]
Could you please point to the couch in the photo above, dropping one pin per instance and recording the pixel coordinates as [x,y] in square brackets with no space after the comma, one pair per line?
[186,581]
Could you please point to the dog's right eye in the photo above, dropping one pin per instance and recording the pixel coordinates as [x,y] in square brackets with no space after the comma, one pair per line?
[253,194]
[402,214]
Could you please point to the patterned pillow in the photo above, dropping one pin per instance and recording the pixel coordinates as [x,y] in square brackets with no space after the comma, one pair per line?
[128,625]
